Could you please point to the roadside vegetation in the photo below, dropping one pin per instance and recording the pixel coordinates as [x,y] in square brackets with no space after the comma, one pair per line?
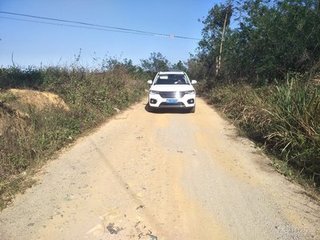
[32,127]
[262,71]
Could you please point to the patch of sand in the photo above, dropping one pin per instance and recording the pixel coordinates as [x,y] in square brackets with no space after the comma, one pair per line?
[39,100]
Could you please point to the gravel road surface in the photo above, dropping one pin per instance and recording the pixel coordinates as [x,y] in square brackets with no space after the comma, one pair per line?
[161,176]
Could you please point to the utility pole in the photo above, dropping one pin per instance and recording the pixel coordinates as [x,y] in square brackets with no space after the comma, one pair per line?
[218,61]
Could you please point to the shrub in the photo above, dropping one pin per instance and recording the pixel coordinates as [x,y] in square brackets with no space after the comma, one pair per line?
[91,96]
[284,118]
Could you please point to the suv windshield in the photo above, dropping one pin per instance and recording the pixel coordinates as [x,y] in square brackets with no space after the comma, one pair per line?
[171,79]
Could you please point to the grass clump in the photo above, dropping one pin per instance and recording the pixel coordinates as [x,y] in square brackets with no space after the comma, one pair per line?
[295,130]
[284,118]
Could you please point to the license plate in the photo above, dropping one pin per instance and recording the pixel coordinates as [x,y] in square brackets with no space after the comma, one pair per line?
[172,100]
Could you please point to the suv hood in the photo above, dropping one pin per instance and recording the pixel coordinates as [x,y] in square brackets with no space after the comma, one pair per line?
[171,88]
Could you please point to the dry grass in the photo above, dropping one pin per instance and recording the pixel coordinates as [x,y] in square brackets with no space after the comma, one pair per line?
[34,125]
[284,119]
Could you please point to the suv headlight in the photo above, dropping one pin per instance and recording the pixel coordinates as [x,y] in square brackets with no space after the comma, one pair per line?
[153,92]
[190,92]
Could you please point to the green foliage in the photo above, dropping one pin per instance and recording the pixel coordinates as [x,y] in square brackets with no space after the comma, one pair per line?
[196,68]
[91,96]
[213,24]
[284,118]
[16,77]
[295,132]
[209,46]
[269,39]
[179,66]
[155,63]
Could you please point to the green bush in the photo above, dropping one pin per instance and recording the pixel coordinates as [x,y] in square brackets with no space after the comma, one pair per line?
[284,118]
[295,132]
[91,96]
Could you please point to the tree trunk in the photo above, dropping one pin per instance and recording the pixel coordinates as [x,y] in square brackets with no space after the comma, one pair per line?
[221,44]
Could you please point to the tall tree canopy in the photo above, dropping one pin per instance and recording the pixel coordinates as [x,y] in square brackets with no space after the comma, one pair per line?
[268,38]
[155,63]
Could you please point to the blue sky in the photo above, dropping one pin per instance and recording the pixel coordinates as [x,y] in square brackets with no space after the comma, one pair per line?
[34,44]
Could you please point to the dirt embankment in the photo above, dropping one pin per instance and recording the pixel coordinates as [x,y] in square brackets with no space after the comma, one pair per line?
[23,131]
[38,100]
[15,105]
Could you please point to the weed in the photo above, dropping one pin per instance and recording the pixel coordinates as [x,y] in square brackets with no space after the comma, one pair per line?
[284,118]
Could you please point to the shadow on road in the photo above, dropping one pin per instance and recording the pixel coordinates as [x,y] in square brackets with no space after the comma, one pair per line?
[166,110]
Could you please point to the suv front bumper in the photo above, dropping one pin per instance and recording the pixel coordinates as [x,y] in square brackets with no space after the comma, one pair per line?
[187,101]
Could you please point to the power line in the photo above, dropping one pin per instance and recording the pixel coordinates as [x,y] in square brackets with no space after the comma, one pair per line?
[94,26]
[74,22]
[69,25]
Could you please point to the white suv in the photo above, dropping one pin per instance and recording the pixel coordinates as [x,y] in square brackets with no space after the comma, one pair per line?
[172,90]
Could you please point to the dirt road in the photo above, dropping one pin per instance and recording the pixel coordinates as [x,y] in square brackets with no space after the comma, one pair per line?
[162,176]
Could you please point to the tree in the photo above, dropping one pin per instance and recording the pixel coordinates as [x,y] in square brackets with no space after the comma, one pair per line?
[196,68]
[213,34]
[180,66]
[228,11]
[281,37]
[271,39]
[155,63]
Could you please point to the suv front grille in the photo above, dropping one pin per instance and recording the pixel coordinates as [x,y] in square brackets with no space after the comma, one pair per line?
[169,105]
[171,94]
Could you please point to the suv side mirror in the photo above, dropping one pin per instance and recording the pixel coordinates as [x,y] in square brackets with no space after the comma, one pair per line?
[193,81]
[149,82]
